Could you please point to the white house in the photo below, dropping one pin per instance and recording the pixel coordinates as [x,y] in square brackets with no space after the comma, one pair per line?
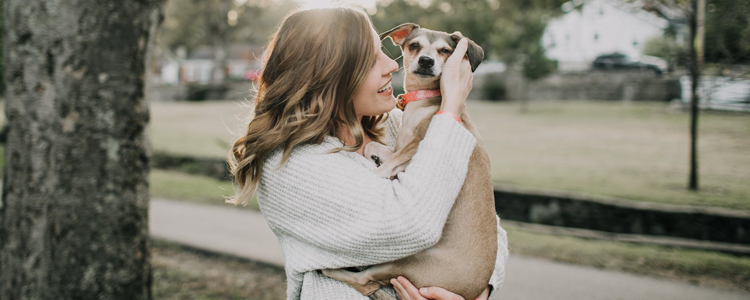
[590,28]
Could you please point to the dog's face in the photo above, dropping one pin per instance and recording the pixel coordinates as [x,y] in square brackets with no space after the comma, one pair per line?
[425,51]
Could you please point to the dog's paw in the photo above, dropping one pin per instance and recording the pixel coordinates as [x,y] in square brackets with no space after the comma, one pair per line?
[375,149]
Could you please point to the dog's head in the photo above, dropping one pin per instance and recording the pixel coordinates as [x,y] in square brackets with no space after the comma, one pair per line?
[425,51]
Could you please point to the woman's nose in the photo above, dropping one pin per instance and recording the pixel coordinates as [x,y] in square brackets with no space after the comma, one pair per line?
[392,66]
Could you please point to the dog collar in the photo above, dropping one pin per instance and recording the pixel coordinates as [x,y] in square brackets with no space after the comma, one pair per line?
[405,99]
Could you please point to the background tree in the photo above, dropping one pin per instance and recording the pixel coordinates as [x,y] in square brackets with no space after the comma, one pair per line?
[693,11]
[74,211]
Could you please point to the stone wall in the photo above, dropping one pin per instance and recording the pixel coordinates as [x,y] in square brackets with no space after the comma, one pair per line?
[620,216]
[589,85]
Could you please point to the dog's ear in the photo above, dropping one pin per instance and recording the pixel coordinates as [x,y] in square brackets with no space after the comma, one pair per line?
[399,33]
[474,52]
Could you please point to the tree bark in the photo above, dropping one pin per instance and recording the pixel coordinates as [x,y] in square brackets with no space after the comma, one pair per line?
[696,54]
[74,212]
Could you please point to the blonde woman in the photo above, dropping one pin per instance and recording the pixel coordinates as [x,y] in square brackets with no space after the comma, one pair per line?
[323,95]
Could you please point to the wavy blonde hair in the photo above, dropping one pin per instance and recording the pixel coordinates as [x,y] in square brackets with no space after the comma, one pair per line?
[316,61]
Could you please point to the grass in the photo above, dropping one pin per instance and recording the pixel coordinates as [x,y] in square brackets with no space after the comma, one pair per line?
[192,188]
[185,274]
[200,129]
[636,150]
[699,267]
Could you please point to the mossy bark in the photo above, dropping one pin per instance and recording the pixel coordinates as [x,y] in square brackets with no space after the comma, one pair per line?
[74,212]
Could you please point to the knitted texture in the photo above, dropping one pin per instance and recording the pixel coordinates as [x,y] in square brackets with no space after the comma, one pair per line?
[329,210]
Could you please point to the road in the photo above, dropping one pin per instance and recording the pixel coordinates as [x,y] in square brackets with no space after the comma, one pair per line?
[246,234]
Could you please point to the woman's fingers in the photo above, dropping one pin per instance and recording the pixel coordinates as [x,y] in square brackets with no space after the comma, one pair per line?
[434,292]
[406,290]
[456,80]
[410,288]
[458,53]
[485,294]
[400,290]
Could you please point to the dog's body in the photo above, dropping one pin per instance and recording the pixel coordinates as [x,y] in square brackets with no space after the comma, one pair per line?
[463,260]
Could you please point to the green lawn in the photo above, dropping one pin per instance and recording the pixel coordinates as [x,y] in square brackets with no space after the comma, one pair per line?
[636,151]
[192,188]
[706,268]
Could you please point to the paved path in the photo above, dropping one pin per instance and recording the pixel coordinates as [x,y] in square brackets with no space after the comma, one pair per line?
[245,233]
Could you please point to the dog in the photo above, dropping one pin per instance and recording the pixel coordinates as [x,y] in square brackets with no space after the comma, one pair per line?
[463,260]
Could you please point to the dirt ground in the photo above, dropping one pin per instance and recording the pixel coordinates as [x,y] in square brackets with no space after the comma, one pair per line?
[187,274]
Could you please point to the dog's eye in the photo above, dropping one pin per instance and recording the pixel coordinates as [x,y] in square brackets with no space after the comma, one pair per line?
[445,51]
[414,46]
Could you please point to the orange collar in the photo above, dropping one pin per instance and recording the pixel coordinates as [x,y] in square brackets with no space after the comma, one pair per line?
[405,99]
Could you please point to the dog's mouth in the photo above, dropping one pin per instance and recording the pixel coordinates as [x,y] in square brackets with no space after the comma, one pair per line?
[424,73]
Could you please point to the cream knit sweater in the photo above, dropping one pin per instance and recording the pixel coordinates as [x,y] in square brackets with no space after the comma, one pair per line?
[329,210]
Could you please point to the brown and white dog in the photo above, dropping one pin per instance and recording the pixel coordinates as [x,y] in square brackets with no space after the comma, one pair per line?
[463,260]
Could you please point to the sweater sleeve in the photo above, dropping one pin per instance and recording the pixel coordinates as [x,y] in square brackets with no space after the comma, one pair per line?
[334,207]
[502,257]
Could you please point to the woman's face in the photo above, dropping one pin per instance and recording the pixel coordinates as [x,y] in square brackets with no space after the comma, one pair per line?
[375,96]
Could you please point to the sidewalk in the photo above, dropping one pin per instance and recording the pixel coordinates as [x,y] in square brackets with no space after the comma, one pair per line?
[246,234]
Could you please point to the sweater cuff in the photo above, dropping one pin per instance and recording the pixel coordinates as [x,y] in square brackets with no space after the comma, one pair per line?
[498,275]
[444,130]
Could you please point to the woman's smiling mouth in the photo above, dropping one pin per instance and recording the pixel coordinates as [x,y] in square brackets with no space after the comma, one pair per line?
[386,89]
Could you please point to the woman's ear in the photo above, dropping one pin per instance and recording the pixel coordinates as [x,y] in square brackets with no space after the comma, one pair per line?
[399,33]
[474,52]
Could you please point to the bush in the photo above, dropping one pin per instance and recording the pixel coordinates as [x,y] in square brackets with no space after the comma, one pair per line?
[494,89]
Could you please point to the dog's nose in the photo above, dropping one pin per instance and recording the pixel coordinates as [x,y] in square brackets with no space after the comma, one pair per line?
[426,62]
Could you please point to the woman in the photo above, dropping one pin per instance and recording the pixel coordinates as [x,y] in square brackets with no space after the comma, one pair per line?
[323,95]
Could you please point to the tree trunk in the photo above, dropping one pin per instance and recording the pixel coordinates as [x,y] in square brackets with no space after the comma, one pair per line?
[74,212]
[219,29]
[696,54]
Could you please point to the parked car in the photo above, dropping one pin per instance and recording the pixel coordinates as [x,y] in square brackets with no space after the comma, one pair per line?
[618,61]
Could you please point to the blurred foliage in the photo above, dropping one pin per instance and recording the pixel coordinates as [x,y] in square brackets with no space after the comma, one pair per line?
[494,89]
[192,23]
[2,69]
[727,35]
[537,65]
[668,49]
[727,31]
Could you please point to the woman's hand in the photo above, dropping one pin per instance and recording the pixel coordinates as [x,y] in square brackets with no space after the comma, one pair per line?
[456,80]
[407,291]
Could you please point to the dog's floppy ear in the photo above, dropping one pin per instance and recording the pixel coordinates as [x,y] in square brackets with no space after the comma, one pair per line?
[474,52]
[399,33]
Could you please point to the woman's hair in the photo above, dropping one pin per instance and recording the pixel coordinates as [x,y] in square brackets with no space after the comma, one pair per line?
[315,62]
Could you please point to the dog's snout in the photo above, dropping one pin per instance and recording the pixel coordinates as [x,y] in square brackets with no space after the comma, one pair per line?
[426,62]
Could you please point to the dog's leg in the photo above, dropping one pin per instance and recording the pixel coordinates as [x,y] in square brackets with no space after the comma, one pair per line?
[398,161]
[363,281]
[378,152]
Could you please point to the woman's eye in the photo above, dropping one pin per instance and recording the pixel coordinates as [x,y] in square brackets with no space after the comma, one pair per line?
[445,51]
[414,46]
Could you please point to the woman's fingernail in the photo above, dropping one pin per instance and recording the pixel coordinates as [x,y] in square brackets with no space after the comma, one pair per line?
[423,290]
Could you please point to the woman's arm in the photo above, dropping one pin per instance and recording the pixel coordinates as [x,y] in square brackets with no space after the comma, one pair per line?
[338,208]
